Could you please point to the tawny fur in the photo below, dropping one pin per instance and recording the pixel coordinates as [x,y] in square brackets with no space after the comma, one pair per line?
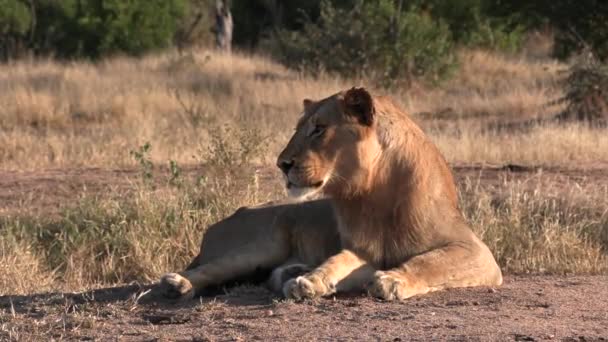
[282,240]
[395,199]
[399,231]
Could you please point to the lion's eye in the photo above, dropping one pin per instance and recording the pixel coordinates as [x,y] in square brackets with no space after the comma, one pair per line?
[317,130]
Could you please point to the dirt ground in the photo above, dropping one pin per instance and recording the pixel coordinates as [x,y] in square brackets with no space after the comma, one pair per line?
[47,191]
[526,308]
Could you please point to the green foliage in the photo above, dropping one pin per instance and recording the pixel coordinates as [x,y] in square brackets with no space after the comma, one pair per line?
[175,178]
[498,36]
[586,90]
[257,19]
[194,26]
[15,17]
[132,26]
[472,23]
[373,39]
[15,21]
[92,28]
[578,23]
[142,157]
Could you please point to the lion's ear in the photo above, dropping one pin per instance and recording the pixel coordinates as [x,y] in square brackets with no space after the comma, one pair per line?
[307,103]
[359,102]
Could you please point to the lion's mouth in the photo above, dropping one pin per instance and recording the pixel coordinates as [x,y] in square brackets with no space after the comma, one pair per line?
[316,185]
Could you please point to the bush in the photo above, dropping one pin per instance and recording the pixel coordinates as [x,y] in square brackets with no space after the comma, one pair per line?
[255,19]
[586,90]
[373,39]
[472,23]
[194,28]
[15,17]
[578,23]
[15,21]
[91,28]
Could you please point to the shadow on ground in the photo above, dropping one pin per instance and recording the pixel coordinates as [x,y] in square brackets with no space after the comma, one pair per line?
[525,308]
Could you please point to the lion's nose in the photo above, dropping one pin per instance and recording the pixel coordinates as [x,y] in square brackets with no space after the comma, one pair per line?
[285,165]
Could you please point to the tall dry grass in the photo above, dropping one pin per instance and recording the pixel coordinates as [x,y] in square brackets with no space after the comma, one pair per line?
[121,239]
[82,114]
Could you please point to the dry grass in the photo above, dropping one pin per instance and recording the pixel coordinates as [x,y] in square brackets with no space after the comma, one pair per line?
[234,112]
[545,145]
[78,114]
[118,239]
[102,242]
[488,84]
[81,114]
[22,267]
[546,227]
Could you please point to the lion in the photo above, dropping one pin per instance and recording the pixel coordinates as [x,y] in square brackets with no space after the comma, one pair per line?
[400,227]
[391,225]
[276,240]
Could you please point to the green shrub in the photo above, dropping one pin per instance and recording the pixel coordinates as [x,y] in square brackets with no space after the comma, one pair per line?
[15,21]
[373,39]
[92,28]
[578,23]
[14,17]
[472,23]
[255,19]
[586,91]
[498,36]
[133,26]
[194,27]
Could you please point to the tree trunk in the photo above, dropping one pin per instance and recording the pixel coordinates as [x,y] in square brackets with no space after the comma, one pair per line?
[223,25]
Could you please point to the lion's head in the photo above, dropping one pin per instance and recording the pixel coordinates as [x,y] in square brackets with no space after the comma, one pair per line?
[333,146]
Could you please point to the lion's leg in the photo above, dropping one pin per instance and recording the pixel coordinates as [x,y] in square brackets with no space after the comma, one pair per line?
[456,265]
[343,271]
[247,260]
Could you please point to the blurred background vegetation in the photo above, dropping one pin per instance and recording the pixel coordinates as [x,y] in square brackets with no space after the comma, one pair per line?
[386,40]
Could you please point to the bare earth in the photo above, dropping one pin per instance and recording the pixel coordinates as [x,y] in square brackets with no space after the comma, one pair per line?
[530,308]
[526,308]
[47,191]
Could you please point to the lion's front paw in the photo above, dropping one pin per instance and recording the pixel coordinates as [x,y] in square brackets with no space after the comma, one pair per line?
[387,287]
[173,285]
[303,287]
[281,275]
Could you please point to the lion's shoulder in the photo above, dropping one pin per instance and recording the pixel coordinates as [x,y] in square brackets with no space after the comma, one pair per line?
[405,143]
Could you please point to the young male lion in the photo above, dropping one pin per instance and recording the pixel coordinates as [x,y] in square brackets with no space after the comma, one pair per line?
[396,203]
[398,232]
